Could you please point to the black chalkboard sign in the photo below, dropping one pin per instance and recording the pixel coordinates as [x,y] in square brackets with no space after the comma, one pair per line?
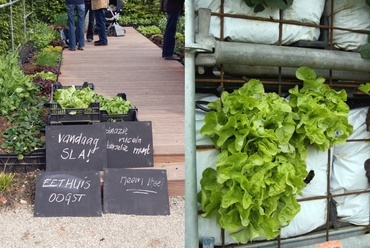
[68,193]
[135,191]
[129,144]
[76,148]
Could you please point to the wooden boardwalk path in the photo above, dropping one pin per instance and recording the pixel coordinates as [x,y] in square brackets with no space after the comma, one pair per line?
[132,64]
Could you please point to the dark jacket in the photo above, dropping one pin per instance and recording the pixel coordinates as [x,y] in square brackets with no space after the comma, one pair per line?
[172,5]
[75,2]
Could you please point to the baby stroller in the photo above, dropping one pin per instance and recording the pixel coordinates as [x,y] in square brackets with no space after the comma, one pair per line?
[112,19]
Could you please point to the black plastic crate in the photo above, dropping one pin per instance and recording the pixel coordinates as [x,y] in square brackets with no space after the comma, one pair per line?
[31,162]
[58,85]
[130,116]
[62,116]
[59,115]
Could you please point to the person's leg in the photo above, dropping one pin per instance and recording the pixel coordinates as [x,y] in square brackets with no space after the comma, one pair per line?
[170,32]
[90,26]
[80,25]
[100,26]
[71,26]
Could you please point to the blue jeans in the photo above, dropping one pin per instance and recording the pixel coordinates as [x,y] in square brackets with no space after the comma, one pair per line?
[90,27]
[76,32]
[100,25]
[170,32]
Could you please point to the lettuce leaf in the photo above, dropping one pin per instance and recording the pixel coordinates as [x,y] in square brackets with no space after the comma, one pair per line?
[263,142]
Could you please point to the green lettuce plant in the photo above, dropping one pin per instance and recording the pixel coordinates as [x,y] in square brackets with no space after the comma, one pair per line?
[365,88]
[263,141]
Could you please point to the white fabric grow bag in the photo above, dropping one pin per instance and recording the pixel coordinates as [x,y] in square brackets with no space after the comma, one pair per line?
[263,32]
[348,172]
[313,213]
[351,14]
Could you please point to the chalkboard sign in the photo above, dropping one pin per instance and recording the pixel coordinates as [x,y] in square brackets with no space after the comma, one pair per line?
[135,191]
[129,144]
[68,193]
[76,148]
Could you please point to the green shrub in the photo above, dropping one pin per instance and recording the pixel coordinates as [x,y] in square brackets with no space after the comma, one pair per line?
[41,35]
[5,28]
[48,58]
[46,11]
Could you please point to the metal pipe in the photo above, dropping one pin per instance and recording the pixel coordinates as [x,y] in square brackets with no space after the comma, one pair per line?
[8,4]
[191,205]
[283,56]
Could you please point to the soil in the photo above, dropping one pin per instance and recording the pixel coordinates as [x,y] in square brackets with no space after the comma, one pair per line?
[21,193]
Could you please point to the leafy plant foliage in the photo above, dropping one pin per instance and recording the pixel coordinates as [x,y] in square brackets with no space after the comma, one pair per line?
[260,5]
[263,142]
[70,97]
[16,89]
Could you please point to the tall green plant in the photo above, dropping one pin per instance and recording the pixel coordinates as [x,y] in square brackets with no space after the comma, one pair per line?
[46,11]
[141,13]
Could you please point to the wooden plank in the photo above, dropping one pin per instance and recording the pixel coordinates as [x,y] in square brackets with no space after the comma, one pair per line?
[132,64]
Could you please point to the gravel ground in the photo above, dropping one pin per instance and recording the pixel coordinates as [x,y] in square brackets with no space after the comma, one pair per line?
[21,229]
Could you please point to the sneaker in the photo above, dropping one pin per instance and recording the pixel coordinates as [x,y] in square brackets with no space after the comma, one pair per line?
[173,57]
[97,41]
[89,40]
[80,48]
[72,49]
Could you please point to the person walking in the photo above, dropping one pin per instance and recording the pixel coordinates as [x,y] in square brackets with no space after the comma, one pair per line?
[76,32]
[90,26]
[100,7]
[173,8]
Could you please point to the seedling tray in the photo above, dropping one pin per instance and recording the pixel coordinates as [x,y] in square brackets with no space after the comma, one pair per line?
[31,162]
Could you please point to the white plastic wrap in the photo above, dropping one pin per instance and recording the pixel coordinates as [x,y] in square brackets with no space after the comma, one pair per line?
[351,14]
[313,213]
[263,32]
[348,172]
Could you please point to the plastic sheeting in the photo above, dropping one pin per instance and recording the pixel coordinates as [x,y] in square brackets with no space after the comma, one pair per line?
[262,32]
[348,173]
[352,14]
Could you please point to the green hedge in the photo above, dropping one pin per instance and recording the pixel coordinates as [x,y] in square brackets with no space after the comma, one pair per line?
[42,11]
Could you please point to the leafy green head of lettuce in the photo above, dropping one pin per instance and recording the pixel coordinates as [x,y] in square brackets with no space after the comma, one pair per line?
[263,140]
[321,112]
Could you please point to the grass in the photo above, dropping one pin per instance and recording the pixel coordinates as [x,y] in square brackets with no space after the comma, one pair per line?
[5,180]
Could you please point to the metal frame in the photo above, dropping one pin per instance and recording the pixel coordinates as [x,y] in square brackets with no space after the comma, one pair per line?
[344,70]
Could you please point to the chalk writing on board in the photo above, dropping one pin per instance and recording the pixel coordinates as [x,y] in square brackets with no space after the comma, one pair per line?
[150,185]
[68,193]
[123,143]
[79,139]
[66,190]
